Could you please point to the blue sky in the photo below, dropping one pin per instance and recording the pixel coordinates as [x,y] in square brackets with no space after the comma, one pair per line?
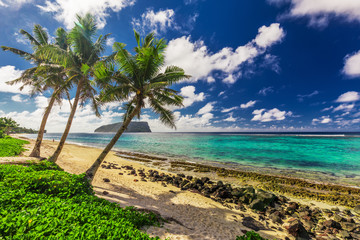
[256,65]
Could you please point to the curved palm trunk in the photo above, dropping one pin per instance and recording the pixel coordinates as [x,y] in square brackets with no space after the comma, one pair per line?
[57,152]
[90,173]
[36,150]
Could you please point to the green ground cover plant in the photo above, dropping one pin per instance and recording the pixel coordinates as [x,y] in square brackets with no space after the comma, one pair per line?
[40,201]
[251,235]
[10,147]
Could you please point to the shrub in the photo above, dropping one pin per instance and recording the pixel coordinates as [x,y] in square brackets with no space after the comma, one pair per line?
[37,203]
[251,235]
[10,147]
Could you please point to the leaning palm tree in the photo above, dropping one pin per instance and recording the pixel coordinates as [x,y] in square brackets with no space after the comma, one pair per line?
[78,61]
[43,76]
[137,80]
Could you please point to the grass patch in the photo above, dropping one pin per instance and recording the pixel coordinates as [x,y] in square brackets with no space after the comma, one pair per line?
[10,147]
[42,202]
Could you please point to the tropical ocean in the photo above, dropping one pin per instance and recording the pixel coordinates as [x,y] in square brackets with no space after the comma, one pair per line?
[332,153]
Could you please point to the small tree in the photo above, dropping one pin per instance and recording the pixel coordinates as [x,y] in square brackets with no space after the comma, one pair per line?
[7,124]
[138,79]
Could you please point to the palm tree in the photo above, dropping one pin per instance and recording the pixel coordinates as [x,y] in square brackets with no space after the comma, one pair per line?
[78,61]
[43,76]
[139,79]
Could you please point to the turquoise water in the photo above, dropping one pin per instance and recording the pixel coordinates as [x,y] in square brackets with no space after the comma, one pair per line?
[335,154]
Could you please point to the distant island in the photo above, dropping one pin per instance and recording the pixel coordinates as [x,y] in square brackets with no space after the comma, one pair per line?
[133,127]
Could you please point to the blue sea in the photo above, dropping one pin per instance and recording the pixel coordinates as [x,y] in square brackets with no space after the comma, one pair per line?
[333,153]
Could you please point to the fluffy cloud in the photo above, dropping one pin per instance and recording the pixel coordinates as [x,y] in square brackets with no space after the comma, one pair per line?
[319,11]
[17,98]
[8,73]
[196,60]
[154,21]
[230,118]
[190,96]
[248,104]
[323,120]
[350,96]
[352,65]
[226,110]
[268,36]
[344,107]
[65,10]
[110,41]
[267,116]
[206,109]
[84,121]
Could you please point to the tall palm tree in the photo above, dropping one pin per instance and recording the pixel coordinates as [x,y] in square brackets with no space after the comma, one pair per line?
[138,79]
[43,76]
[78,61]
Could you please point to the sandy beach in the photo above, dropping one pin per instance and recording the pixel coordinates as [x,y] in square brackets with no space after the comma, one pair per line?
[189,215]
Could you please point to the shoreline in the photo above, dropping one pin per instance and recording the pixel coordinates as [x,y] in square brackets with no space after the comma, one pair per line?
[315,176]
[190,210]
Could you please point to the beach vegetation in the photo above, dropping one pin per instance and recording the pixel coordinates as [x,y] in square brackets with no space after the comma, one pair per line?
[250,235]
[40,201]
[10,147]
[7,125]
[137,79]
[44,75]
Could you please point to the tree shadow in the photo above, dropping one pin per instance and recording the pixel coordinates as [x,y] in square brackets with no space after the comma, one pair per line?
[188,215]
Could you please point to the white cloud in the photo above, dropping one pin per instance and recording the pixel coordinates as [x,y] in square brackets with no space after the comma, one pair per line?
[323,120]
[65,10]
[221,93]
[352,65]
[230,118]
[154,21]
[268,36]
[320,11]
[327,109]
[272,115]
[248,104]
[188,92]
[344,107]
[266,90]
[350,96]
[226,110]
[110,41]
[14,3]
[206,109]
[8,73]
[17,98]
[84,120]
[197,61]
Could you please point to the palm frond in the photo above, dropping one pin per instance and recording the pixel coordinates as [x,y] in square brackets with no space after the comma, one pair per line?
[40,34]
[166,116]
[29,37]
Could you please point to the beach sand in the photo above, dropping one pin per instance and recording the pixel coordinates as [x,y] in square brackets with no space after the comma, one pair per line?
[190,215]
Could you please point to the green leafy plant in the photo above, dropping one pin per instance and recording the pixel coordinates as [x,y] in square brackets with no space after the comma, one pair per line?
[40,201]
[10,147]
[251,235]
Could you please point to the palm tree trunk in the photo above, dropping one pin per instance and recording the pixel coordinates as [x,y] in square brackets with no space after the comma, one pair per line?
[57,152]
[36,150]
[90,173]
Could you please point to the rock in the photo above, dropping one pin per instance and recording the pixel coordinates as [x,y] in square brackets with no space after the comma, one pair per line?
[181,175]
[220,183]
[357,209]
[240,207]
[237,192]
[266,197]
[257,204]
[135,180]
[345,235]
[205,179]
[133,172]
[275,217]
[105,193]
[252,224]
[338,218]
[189,178]
[293,205]
[106,180]
[120,173]
[296,229]
[348,226]
[163,184]
[332,224]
